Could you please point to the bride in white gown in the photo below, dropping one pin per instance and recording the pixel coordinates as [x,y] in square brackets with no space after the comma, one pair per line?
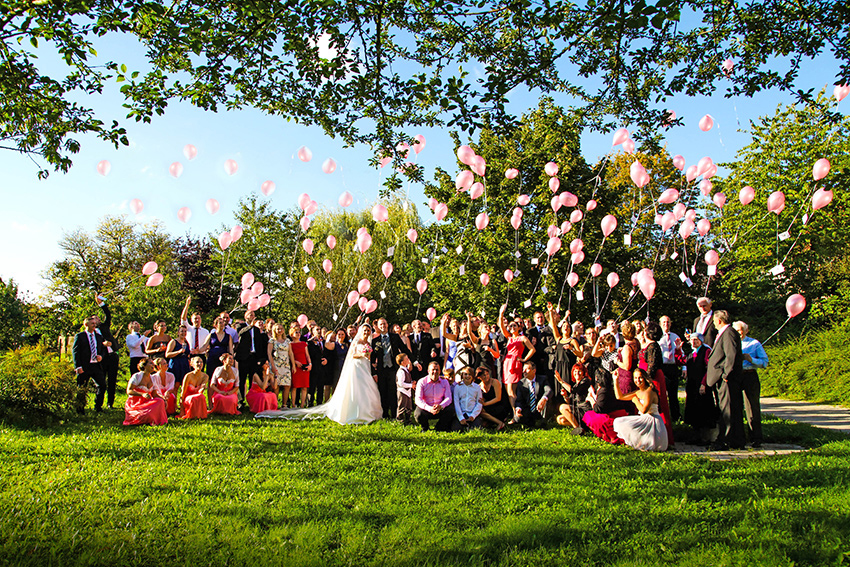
[356,399]
[646,431]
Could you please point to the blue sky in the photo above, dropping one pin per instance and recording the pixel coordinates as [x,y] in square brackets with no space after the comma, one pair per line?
[39,211]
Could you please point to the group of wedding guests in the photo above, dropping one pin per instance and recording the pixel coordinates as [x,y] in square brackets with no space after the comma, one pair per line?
[619,382]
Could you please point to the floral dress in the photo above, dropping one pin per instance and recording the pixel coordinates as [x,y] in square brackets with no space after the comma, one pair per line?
[280,353]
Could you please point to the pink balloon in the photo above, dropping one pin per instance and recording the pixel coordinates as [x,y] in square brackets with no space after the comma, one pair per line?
[776,202]
[481,221]
[303,201]
[509,276]
[265,299]
[305,155]
[747,195]
[620,136]
[668,219]
[566,226]
[387,269]
[710,172]
[432,203]
[704,165]
[568,199]
[578,257]
[679,162]
[246,296]
[362,303]
[712,257]
[686,229]
[511,173]
[384,161]
[212,206]
[345,199]
[691,173]
[576,245]
[329,165]
[104,167]
[464,180]
[727,66]
[638,174]
[668,196]
[224,240]
[403,149]
[149,268]
[629,146]
[517,212]
[705,186]
[554,184]
[613,279]
[556,203]
[331,241]
[679,210]
[609,224]
[719,200]
[465,154]
[648,288]
[795,305]
[364,243]
[572,279]
[311,207]
[484,279]
[440,211]
[705,124]
[352,297]
[821,198]
[552,231]
[516,221]
[380,213]
[363,286]
[257,288]
[136,206]
[421,286]
[476,190]
[479,166]
[327,265]
[703,227]
[596,270]
[576,216]
[175,169]
[307,245]
[267,188]
[231,167]
[523,200]
[840,91]
[311,283]
[184,214]
[820,169]
[430,313]
[247,280]
[635,278]
[190,151]
[371,305]
[154,280]
[591,205]
[303,320]
[551,169]
[419,145]
[553,245]
[412,235]
[691,215]
[305,223]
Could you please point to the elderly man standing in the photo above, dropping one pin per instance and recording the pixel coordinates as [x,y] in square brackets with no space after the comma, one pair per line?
[704,323]
[674,356]
[754,358]
[725,372]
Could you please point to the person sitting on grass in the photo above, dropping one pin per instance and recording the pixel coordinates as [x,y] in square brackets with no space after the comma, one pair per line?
[433,396]
[263,393]
[144,403]
[164,381]
[647,431]
[193,398]
[575,393]
[496,407]
[534,398]
[225,387]
[468,400]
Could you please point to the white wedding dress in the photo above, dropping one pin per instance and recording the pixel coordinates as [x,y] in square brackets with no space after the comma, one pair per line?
[645,432]
[355,401]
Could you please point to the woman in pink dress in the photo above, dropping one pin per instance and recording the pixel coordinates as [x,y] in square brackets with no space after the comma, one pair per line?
[193,399]
[144,404]
[300,366]
[263,393]
[517,345]
[164,381]
[224,386]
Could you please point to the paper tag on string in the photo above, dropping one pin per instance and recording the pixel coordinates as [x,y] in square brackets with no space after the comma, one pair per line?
[627,239]
[329,285]
[545,271]
[459,249]
[544,289]
[424,260]
[664,256]
[483,313]
[444,249]
[527,303]
[535,261]
[631,294]
[694,270]
[516,273]
[383,294]
[461,270]
[306,269]
[390,250]
[784,235]
[517,254]
[806,218]
[683,276]
[689,282]
[580,295]
[777,269]
[597,322]
[289,282]
[674,255]
[711,270]
[335,317]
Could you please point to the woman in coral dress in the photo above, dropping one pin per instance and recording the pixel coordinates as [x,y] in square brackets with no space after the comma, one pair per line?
[263,393]
[301,366]
[224,387]
[164,381]
[144,404]
[193,399]
[517,345]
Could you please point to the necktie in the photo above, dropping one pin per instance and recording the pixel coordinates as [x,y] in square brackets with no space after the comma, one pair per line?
[532,397]
[252,339]
[417,338]
[388,353]
[92,348]
[701,326]
[197,331]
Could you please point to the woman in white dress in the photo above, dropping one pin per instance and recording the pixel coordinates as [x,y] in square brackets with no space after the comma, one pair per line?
[356,399]
[645,432]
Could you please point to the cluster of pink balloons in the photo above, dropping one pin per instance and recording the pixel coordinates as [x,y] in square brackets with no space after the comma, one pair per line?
[440,209]
[252,292]
[150,270]
[621,136]
[476,163]
[227,238]
[306,204]
[645,280]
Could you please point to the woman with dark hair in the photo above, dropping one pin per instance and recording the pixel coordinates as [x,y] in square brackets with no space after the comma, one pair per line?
[144,404]
[627,360]
[650,360]
[158,344]
[496,407]
[646,431]
[193,397]
[177,355]
[224,387]
[567,349]
[574,392]
[218,343]
[701,411]
[518,345]
[605,407]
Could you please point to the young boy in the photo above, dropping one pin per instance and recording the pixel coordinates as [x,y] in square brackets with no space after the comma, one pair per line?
[404,386]
[468,400]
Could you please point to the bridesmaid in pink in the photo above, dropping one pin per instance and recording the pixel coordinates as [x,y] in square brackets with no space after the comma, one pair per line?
[144,404]
[164,381]
[224,386]
[517,345]
[263,396]
[193,399]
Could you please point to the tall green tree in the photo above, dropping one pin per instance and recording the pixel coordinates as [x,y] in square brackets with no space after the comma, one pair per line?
[13,313]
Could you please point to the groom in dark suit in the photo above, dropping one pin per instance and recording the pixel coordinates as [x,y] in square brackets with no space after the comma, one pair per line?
[423,350]
[726,373]
[88,352]
[385,348]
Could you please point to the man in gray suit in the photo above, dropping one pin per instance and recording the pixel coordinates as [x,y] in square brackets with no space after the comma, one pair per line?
[725,372]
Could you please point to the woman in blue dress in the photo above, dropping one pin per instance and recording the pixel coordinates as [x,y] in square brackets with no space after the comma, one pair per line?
[218,342]
[177,355]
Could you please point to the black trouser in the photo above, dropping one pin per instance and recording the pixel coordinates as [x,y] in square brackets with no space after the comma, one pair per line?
[247,368]
[134,364]
[110,368]
[730,401]
[444,417]
[318,381]
[387,389]
[672,374]
[752,405]
[95,372]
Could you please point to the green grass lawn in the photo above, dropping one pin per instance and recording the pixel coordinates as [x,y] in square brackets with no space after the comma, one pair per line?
[244,492]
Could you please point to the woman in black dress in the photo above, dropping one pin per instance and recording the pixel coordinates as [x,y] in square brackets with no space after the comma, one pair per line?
[497,407]
[701,411]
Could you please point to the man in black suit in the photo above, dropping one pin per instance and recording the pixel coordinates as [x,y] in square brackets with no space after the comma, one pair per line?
[725,372]
[534,398]
[385,347]
[110,360]
[319,371]
[705,322]
[544,343]
[423,350]
[88,352]
[251,351]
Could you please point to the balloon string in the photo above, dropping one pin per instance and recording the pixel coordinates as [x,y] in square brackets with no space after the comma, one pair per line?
[776,331]
[225,261]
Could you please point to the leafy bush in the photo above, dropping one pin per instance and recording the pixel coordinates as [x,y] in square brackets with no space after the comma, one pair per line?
[813,367]
[35,383]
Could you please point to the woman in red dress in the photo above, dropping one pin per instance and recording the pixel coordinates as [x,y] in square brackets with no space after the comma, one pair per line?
[164,381]
[193,399]
[300,366]
[263,393]
[224,386]
[144,404]
[517,345]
